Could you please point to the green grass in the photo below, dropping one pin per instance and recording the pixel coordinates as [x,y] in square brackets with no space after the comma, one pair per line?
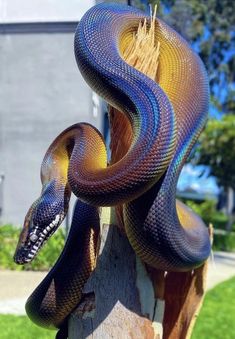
[20,327]
[217,317]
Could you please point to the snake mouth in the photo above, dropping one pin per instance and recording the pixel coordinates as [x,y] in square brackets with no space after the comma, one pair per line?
[27,252]
[30,244]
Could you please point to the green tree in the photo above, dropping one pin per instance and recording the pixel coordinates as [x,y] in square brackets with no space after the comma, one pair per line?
[210,27]
[217,149]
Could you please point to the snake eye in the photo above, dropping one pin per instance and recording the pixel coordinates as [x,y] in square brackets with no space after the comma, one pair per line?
[33,237]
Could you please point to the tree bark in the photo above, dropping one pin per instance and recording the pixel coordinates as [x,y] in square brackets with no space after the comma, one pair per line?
[125,299]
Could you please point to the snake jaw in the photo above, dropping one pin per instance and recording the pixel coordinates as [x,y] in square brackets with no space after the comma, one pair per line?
[30,244]
[42,220]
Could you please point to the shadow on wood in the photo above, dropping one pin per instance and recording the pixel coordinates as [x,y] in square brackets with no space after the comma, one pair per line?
[117,306]
[123,300]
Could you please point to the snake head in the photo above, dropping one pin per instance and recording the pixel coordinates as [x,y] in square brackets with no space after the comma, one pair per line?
[41,221]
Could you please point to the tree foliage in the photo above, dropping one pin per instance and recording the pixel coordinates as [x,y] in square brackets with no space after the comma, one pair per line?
[210,27]
[217,149]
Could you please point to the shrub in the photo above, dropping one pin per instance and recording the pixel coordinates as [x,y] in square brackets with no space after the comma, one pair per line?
[207,211]
[224,241]
[46,258]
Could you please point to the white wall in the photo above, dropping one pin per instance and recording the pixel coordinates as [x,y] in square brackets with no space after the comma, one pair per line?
[41,94]
[15,11]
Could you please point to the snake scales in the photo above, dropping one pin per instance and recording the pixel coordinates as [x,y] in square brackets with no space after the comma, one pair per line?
[167,117]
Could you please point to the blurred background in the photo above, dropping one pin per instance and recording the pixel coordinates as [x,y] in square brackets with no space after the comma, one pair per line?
[42,93]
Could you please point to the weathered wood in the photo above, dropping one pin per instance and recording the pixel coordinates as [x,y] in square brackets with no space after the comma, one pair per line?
[125,300]
[183,297]
[114,307]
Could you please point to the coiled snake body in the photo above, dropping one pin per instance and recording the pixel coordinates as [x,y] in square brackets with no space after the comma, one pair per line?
[166,117]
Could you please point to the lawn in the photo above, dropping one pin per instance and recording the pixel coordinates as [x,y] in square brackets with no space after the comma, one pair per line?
[216,319]
[20,327]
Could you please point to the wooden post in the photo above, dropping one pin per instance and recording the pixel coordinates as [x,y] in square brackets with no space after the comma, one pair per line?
[113,307]
[125,299]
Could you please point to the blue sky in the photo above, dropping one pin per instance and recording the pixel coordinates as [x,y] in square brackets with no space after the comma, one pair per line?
[198,179]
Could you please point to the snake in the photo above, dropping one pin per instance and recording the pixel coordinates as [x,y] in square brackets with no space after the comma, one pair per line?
[166,117]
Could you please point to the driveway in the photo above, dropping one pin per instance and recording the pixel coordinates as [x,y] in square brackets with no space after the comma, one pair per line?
[15,287]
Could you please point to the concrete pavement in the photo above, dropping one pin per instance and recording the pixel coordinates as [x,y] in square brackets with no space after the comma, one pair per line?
[221,267]
[15,287]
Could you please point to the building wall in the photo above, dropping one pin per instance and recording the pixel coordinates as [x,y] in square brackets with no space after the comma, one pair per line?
[41,93]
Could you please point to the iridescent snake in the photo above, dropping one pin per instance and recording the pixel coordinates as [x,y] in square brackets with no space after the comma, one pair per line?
[167,117]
